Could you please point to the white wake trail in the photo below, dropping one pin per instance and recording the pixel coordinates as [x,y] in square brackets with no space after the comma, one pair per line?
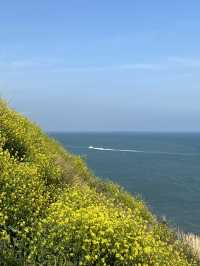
[142,151]
[109,149]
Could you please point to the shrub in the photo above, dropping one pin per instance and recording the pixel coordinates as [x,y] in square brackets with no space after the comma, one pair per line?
[86,228]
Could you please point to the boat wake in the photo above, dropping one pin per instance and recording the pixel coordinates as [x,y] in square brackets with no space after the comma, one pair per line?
[109,149]
[142,151]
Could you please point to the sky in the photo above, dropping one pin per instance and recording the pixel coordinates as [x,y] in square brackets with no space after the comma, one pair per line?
[81,65]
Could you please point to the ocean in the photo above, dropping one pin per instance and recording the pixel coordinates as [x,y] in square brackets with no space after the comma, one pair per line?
[162,168]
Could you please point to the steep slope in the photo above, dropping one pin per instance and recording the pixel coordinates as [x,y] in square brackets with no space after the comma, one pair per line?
[54,211]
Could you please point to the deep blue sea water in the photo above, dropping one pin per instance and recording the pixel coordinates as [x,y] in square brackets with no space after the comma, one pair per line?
[164,168]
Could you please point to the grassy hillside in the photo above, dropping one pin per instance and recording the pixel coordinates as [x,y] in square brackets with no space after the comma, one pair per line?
[54,211]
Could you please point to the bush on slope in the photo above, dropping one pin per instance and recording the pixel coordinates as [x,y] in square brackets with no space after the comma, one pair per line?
[86,228]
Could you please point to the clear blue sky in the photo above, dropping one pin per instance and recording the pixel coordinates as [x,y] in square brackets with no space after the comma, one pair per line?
[102,65]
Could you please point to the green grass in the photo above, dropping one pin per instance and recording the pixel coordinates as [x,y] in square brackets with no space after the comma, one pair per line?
[54,211]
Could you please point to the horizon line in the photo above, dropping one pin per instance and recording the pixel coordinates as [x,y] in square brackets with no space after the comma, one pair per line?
[122,131]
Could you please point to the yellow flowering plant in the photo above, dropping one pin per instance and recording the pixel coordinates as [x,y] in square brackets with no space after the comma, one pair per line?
[86,228]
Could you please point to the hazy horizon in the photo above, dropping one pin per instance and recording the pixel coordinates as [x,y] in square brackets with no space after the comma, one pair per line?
[102,66]
[122,131]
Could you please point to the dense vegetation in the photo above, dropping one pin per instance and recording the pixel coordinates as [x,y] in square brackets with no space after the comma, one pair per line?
[53,211]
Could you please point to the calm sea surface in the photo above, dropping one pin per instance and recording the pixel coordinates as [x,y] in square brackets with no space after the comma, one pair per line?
[163,168]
